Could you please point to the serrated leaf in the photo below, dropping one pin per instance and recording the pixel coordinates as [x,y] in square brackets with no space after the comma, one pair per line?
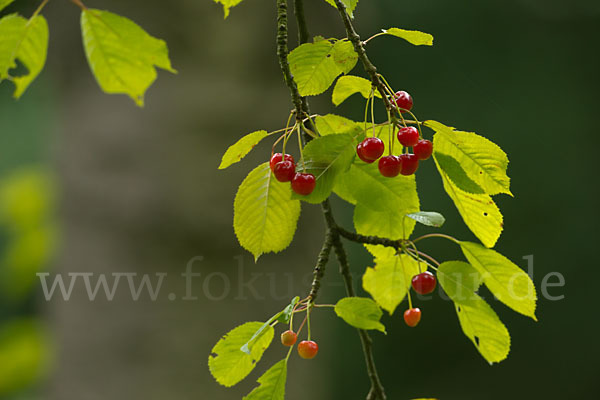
[457,174]
[326,157]
[348,85]
[5,3]
[483,161]
[417,38]
[313,67]
[264,214]
[26,41]
[227,363]
[241,148]
[390,224]
[344,55]
[477,319]
[368,187]
[272,383]
[429,218]
[281,316]
[360,312]
[227,4]
[509,283]
[479,211]
[332,124]
[122,56]
[389,280]
[350,5]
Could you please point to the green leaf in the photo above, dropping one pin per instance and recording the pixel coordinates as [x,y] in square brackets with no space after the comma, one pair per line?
[348,85]
[227,4]
[350,5]
[313,67]
[122,56]
[227,363]
[477,319]
[272,383]
[429,218]
[281,316]
[5,3]
[483,161]
[264,214]
[366,185]
[389,224]
[241,148]
[360,312]
[413,37]
[457,174]
[479,211]
[332,124]
[26,41]
[388,282]
[344,55]
[509,283]
[326,157]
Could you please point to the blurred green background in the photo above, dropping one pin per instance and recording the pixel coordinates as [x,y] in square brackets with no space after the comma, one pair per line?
[90,183]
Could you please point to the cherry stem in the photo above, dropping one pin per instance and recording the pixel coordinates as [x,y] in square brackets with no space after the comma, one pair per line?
[437,235]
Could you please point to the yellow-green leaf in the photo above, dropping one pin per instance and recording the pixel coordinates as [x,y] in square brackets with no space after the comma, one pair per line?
[360,312]
[344,55]
[272,383]
[26,41]
[123,57]
[264,214]
[477,319]
[348,85]
[227,4]
[5,3]
[483,161]
[313,67]
[241,148]
[413,37]
[332,124]
[227,363]
[388,282]
[350,5]
[479,211]
[509,283]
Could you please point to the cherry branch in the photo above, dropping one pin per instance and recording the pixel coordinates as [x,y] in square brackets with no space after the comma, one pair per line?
[375,240]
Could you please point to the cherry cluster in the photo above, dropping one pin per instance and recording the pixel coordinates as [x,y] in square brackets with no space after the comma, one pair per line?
[371,149]
[423,283]
[284,169]
[307,349]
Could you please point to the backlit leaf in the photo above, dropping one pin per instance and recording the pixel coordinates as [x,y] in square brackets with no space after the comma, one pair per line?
[313,67]
[122,56]
[348,85]
[360,312]
[272,383]
[413,37]
[241,148]
[264,214]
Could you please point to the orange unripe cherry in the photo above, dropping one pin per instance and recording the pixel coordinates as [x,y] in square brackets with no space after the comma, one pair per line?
[288,338]
[308,349]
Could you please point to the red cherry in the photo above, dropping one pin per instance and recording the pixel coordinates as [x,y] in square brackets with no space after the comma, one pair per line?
[424,283]
[412,317]
[278,158]
[308,349]
[284,171]
[372,148]
[303,184]
[408,136]
[359,152]
[423,149]
[288,338]
[403,100]
[390,166]
[410,163]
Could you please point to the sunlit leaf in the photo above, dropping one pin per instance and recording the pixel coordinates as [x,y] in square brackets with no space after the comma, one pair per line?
[122,56]
[350,5]
[429,218]
[227,4]
[332,124]
[413,37]
[360,312]
[26,41]
[227,363]
[5,3]
[313,67]
[264,214]
[272,383]
[477,319]
[348,85]
[241,148]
